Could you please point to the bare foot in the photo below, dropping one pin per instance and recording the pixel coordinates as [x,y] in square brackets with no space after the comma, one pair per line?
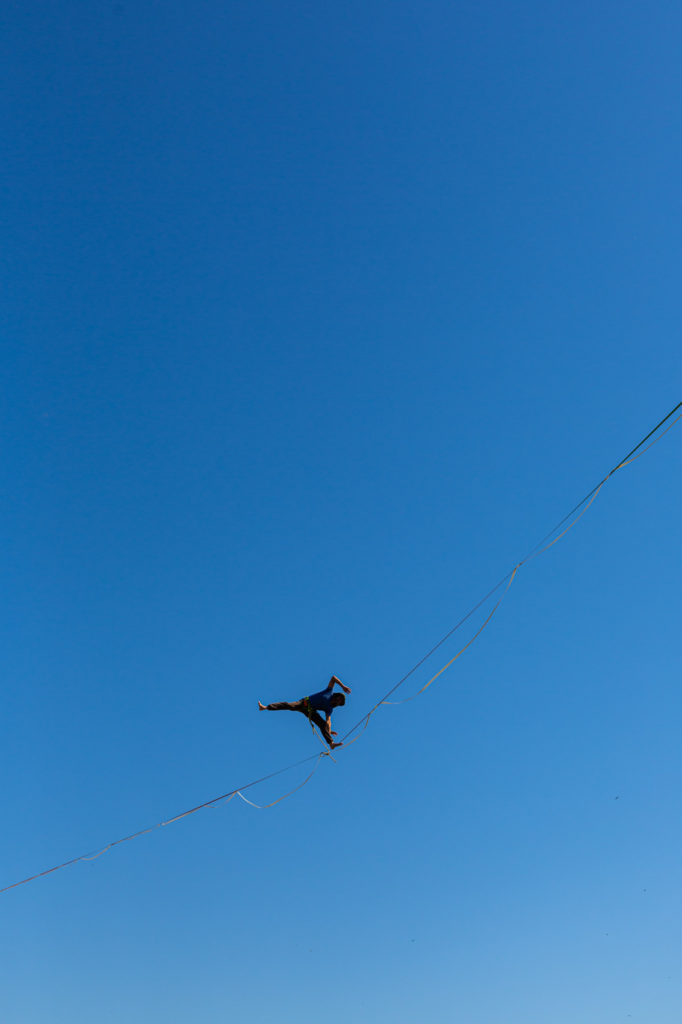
[335,745]
[261,707]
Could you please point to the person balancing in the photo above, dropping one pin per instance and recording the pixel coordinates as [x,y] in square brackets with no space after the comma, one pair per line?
[325,701]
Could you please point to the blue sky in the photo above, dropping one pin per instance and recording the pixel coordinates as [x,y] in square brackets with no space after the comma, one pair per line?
[315,320]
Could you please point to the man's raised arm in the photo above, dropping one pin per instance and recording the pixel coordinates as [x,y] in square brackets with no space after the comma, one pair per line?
[335,679]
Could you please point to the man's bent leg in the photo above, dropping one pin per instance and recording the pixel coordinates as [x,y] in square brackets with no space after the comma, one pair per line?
[322,726]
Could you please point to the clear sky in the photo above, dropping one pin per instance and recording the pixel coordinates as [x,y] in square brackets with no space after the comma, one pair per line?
[316,317]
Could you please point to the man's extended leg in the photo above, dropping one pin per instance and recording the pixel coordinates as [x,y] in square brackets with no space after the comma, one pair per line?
[302,706]
[284,705]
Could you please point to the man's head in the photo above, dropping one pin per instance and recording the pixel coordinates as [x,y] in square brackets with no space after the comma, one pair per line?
[338,699]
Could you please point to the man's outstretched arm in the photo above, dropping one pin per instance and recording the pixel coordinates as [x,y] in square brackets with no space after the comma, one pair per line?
[335,679]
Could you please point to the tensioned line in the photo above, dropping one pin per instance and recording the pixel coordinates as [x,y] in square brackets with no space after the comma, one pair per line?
[510,575]
[541,546]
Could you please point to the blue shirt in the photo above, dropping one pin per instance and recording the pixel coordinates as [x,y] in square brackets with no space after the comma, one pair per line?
[322,701]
